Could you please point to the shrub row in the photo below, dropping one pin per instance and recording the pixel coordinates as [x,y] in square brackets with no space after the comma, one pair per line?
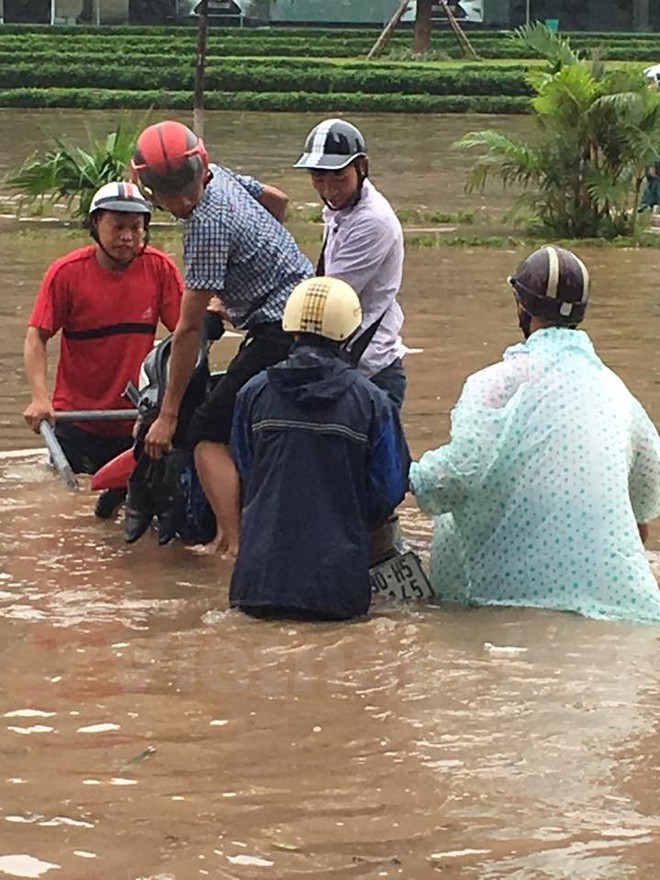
[241,76]
[132,54]
[182,60]
[293,32]
[100,99]
[130,48]
[263,42]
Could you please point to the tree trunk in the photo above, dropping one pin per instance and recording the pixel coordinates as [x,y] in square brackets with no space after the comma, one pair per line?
[641,15]
[422,41]
[200,62]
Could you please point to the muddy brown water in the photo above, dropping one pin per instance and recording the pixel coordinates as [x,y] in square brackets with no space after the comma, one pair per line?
[147,732]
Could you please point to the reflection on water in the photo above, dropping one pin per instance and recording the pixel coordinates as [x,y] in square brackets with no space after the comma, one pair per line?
[148,732]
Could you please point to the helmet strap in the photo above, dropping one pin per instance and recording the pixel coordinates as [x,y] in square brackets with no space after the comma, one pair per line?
[362,168]
[525,321]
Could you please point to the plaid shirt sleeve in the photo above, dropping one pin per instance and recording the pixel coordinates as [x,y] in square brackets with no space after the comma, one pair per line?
[205,254]
[235,248]
[250,184]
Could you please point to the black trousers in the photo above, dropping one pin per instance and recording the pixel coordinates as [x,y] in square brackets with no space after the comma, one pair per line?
[265,345]
[86,452]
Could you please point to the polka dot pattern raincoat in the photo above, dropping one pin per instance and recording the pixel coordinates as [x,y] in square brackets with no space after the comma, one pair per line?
[551,465]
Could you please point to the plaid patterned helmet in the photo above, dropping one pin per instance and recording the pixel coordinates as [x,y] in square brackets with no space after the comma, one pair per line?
[552,284]
[324,306]
[332,145]
[168,157]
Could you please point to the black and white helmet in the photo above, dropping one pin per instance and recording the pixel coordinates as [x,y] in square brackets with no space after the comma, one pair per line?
[120,196]
[552,284]
[331,145]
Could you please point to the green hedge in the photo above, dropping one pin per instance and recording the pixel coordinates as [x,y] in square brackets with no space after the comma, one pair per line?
[266,69]
[125,42]
[99,99]
[294,33]
[240,76]
[234,49]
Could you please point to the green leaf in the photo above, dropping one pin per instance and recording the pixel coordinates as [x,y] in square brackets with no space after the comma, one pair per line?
[75,173]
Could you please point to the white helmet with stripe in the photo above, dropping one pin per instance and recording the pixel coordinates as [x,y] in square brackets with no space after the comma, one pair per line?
[323,306]
[552,284]
[120,196]
[331,145]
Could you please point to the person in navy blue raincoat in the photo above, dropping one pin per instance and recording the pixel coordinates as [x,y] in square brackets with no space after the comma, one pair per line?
[322,460]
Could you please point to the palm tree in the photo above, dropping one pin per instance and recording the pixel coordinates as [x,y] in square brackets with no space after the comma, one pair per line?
[73,174]
[597,130]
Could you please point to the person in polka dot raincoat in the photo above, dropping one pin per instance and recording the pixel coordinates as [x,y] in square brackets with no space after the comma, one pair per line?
[543,494]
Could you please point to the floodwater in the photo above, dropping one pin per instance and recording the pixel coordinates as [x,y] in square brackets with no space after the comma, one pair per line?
[148,734]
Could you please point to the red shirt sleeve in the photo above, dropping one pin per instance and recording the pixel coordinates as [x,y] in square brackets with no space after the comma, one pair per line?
[171,293]
[51,306]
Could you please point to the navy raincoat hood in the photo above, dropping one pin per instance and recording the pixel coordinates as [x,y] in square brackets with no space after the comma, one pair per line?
[313,375]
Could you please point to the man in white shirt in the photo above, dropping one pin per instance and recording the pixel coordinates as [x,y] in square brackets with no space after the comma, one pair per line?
[363,245]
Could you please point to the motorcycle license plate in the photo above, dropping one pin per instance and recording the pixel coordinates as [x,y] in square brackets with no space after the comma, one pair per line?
[400,578]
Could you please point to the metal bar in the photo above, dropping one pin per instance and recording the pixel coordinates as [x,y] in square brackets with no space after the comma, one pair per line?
[62,466]
[96,415]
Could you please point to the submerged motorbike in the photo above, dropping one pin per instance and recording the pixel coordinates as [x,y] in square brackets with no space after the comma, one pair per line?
[167,489]
[170,491]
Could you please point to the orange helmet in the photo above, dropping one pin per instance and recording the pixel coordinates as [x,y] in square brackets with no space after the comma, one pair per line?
[168,157]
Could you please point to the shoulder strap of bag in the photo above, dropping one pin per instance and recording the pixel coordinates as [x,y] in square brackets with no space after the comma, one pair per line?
[359,347]
[320,263]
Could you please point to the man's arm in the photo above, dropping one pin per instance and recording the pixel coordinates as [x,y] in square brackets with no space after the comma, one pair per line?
[444,478]
[644,477]
[185,348]
[275,201]
[388,468]
[35,358]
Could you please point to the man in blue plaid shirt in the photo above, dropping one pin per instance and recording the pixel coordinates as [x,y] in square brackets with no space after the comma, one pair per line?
[235,247]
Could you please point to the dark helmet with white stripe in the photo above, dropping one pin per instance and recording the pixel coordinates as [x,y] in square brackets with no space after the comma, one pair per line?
[552,284]
[331,145]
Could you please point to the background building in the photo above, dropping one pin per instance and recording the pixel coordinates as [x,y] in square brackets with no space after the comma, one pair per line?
[580,15]
[588,15]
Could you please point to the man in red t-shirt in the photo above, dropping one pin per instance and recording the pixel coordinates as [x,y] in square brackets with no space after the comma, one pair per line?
[106,299]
